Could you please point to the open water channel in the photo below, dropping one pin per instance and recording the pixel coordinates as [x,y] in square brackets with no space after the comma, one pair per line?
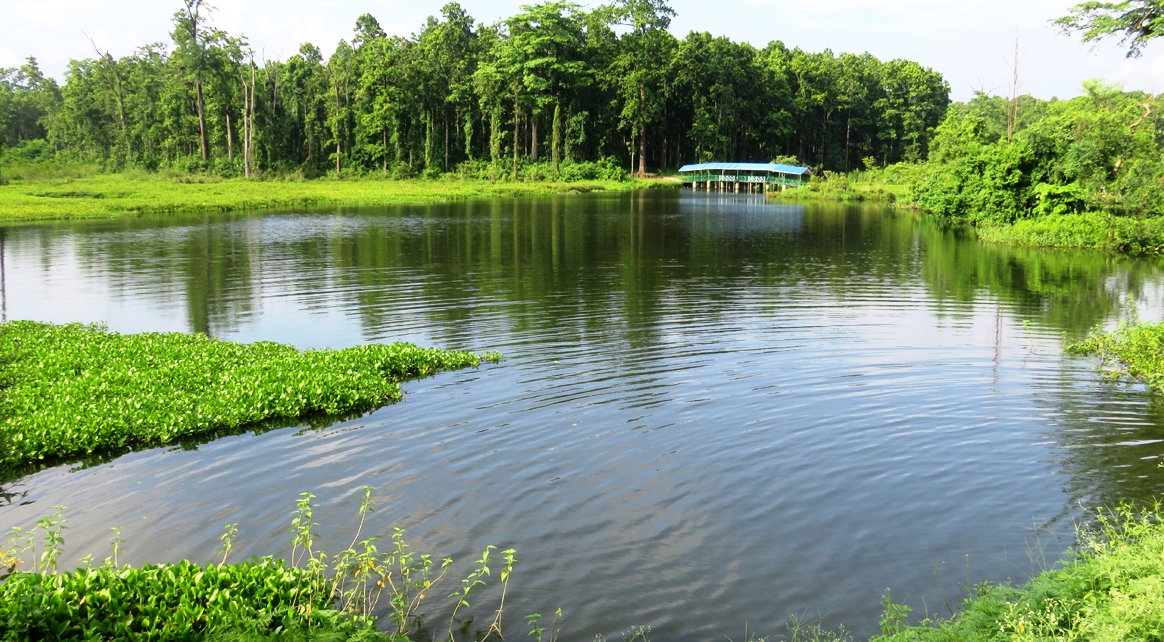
[715,412]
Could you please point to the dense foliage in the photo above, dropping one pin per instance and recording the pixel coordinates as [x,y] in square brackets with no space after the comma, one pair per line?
[552,83]
[1112,591]
[74,390]
[999,162]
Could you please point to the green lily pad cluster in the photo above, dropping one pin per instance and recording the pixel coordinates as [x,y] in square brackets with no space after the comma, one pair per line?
[69,391]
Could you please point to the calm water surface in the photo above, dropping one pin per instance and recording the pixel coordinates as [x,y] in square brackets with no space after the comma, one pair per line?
[715,411]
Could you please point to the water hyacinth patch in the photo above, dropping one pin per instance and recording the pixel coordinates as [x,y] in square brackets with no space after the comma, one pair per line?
[72,390]
[155,602]
[311,596]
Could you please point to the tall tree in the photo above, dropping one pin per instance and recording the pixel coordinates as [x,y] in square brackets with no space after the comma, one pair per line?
[191,37]
[643,55]
[548,41]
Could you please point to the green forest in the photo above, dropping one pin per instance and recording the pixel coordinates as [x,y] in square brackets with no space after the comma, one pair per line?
[553,85]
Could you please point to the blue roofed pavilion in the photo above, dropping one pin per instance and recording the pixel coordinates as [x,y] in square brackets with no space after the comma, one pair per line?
[743,177]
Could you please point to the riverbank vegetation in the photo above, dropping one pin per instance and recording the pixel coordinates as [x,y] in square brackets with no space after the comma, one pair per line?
[307,595]
[72,390]
[1110,589]
[1084,172]
[1080,173]
[1135,350]
[888,185]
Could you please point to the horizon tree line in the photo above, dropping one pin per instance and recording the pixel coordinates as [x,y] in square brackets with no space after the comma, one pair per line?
[551,84]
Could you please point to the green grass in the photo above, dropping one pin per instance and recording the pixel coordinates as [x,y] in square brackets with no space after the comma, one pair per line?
[71,391]
[1090,231]
[115,195]
[887,186]
[1112,588]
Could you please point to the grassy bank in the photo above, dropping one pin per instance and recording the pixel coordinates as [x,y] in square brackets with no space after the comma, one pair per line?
[1111,589]
[1088,231]
[892,186]
[74,390]
[114,195]
[887,186]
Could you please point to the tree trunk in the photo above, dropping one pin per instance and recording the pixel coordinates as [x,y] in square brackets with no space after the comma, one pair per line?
[230,136]
[201,106]
[428,133]
[848,132]
[107,60]
[516,126]
[338,147]
[468,133]
[246,126]
[556,145]
[533,140]
[446,142]
[384,132]
[495,134]
[643,153]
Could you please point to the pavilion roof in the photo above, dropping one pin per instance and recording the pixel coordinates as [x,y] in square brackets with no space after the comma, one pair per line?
[755,167]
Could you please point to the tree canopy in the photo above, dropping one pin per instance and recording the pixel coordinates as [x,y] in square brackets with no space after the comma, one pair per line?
[1135,22]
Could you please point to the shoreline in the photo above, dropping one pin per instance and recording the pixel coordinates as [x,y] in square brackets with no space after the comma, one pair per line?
[1119,235]
[113,196]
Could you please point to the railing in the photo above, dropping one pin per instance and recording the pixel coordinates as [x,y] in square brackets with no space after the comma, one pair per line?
[779,179]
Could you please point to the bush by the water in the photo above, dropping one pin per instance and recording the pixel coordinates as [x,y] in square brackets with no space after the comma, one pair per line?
[1085,172]
[887,185]
[73,390]
[1135,349]
[1111,590]
[607,169]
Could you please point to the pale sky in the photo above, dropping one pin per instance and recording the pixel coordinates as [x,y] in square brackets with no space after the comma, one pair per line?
[970,42]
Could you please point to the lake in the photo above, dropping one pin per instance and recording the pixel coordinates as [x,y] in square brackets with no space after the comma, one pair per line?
[715,411]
